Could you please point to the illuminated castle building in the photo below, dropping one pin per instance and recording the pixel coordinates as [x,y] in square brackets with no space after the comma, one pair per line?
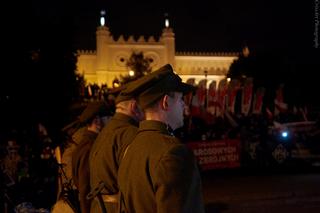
[109,59]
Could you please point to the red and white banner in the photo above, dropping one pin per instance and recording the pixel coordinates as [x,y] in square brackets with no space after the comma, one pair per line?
[188,97]
[212,98]
[246,98]
[279,105]
[199,99]
[222,93]
[217,154]
[202,92]
[258,100]
[233,88]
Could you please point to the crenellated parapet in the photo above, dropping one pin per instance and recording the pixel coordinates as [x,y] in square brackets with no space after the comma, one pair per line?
[187,53]
[132,40]
[86,52]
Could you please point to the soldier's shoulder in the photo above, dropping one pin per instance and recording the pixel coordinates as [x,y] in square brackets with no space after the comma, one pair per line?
[129,131]
[174,145]
[165,142]
[172,140]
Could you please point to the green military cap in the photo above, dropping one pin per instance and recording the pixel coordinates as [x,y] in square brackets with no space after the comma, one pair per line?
[121,96]
[92,109]
[117,92]
[153,86]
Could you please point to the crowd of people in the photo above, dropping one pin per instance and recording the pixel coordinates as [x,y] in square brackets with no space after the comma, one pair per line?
[28,169]
[102,147]
[125,149]
[111,165]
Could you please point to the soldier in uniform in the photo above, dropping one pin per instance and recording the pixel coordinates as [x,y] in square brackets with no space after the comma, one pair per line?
[95,115]
[74,173]
[107,152]
[158,173]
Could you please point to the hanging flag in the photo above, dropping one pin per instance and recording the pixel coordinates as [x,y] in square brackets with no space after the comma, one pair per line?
[246,98]
[212,98]
[233,88]
[199,99]
[89,90]
[279,104]
[188,97]
[222,92]
[304,113]
[269,114]
[258,100]
[42,130]
[202,92]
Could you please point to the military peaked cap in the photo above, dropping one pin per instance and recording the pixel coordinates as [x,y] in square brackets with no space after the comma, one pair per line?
[123,97]
[93,109]
[153,86]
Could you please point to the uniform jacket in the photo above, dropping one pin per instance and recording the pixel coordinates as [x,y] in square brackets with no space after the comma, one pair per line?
[80,168]
[159,173]
[68,152]
[107,152]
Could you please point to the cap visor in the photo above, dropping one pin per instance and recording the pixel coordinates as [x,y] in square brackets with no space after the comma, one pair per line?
[186,88]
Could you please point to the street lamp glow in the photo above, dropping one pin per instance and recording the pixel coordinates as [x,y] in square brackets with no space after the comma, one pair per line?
[102,19]
[284,134]
[131,73]
[166,23]
[116,84]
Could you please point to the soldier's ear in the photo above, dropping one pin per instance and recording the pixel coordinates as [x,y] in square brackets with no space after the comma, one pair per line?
[165,102]
[135,106]
[137,111]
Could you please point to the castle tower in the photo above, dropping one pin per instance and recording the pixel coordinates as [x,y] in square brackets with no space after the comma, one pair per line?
[168,39]
[102,40]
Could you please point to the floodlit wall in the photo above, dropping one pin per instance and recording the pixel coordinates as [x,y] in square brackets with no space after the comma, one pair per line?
[108,61]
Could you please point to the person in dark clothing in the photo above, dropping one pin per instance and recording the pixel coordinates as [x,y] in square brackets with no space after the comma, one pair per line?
[107,152]
[80,156]
[158,173]
[84,131]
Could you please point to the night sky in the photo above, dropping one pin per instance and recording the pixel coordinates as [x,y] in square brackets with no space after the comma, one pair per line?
[217,25]
[284,29]
[212,25]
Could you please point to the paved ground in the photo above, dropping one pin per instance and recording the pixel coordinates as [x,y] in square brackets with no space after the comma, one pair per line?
[261,192]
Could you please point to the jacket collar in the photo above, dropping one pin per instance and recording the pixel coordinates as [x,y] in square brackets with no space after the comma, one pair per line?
[152,125]
[124,117]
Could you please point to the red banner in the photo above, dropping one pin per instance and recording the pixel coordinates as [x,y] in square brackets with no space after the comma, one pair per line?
[280,106]
[199,99]
[233,88]
[222,93]
[217,154]
[258,100]
[246,96]
[202,92]
[212,98]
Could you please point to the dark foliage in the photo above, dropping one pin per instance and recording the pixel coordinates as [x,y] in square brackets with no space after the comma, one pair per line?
[139,64]
[270,69]
[39,82]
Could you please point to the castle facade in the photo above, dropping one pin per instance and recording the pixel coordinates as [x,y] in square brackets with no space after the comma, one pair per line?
[108,61]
